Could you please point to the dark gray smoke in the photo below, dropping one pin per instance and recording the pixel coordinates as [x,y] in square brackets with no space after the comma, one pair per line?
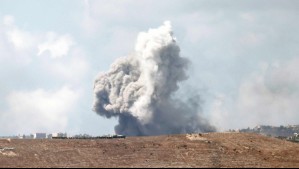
[139,89]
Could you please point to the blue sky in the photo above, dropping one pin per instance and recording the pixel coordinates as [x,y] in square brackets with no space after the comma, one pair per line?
[244,55]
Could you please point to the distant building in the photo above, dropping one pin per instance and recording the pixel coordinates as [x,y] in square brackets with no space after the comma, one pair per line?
[31,136]
[60,135]
[274,131]
[40,136]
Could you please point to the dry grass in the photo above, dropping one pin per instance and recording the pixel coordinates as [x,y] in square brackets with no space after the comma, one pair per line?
[205,150]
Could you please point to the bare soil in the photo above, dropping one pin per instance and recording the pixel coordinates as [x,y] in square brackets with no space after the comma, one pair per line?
[196,150]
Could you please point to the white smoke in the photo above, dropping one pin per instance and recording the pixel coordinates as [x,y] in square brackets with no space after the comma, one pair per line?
[139,89]
[271,96]
[268,96]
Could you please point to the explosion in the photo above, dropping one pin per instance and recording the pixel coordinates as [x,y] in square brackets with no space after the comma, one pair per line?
[139,89]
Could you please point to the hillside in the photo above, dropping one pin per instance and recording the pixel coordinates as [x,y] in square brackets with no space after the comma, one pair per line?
[284,131]
[206,150]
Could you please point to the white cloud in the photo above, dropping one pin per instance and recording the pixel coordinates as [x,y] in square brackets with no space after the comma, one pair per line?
[25,44]
[21,40]
[34,106]
[8,20]
[271,97]
[58,46]
[38,110]
[268,97]
[72,71]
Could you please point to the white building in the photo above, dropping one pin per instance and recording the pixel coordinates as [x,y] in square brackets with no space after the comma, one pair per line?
[61,135]
[40,136]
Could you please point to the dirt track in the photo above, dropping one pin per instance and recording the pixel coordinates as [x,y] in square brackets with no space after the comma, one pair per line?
[207,150]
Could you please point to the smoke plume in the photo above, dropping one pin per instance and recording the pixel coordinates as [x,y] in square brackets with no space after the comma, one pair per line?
[139,89]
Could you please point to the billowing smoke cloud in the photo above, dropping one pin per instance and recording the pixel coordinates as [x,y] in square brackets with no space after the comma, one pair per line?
[139,89]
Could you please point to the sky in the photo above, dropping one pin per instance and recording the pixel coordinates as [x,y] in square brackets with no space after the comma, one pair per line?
[244,59]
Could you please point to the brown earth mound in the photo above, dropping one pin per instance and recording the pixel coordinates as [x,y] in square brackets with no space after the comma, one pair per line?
[196,150]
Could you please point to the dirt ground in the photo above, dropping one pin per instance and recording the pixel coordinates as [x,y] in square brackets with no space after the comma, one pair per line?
[197,150]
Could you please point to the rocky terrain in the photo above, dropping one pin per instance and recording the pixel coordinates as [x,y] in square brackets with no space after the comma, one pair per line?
[196,150]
